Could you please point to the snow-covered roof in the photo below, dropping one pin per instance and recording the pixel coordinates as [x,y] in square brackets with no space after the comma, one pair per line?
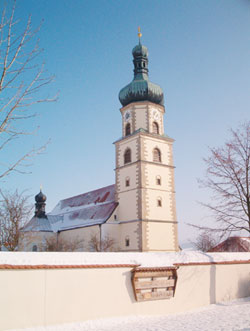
[85,200]
[49,224]
[233,244]
[91,208]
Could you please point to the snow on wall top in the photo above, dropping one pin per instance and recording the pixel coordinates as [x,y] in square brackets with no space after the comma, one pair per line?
[148,259]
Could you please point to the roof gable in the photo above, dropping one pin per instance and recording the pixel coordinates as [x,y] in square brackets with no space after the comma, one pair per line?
[233,244]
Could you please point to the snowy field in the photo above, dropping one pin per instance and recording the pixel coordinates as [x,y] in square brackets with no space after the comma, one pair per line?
[226,316]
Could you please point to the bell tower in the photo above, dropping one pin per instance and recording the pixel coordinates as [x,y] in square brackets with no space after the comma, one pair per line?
[144,166]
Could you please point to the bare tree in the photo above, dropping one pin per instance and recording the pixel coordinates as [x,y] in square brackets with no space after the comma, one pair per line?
[105,245]
[57,244]
[205,241]
[21,80]
[228,177]
[14,213]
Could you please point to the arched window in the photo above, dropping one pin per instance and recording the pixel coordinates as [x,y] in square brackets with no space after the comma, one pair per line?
[156,155]
[127,241]
[127,129]
[159,202]
[155,128]
[127,181]
[158,180]
[127,156]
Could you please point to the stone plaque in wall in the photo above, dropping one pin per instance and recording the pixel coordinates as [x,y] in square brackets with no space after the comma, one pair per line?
[154,283]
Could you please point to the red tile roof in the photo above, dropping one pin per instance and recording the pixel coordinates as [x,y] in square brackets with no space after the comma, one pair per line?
[233,244]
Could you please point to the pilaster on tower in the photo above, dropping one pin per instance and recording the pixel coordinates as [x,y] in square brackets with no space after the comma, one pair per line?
[144,166]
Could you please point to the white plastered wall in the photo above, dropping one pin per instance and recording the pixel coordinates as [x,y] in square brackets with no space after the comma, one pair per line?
[124,122]
[159,121]
[152,171]
[142,116]
[160,236]
[44,297]
[121,148]
[140,113]
[127,209]
[129,172]
[130,231]
[150,143]
[155,212]
[80,237]
[29,239]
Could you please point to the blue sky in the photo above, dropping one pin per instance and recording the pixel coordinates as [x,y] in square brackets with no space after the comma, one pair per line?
[199,53]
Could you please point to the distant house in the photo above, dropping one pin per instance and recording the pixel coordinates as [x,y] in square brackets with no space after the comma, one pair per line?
[233,244]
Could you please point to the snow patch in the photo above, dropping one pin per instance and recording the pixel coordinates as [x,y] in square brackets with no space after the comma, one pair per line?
[228,316]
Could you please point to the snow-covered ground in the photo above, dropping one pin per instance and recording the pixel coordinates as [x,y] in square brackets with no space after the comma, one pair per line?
[228,316]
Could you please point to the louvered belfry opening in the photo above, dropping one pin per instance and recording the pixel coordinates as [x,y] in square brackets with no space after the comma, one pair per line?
[155,128]
[127,156]
[128,129]
[156,155]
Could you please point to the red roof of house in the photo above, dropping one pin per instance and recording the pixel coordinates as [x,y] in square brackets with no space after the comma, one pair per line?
[233,244]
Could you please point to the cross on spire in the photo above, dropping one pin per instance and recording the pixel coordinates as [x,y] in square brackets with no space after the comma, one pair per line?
[139,34]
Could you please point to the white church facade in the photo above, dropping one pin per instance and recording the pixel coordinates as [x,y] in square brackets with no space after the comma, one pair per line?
[138,212]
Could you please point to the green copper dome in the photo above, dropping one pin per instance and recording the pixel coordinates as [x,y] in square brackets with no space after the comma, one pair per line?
[141,89]
[140,50]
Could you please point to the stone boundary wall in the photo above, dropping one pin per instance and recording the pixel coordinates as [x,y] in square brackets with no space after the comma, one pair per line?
[41,295]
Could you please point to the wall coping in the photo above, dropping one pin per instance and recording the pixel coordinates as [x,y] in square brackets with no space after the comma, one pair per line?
[103,266]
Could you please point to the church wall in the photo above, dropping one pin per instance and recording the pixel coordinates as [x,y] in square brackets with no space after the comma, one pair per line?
[121,148]
[112,231]
[131,120]
[28,240]
[161,236]
[129,172]
[154,171]
[151,119]
[150,143]
[131,232]
[80,237]
[121,232]
[141,117]
[128,205]
[155,212]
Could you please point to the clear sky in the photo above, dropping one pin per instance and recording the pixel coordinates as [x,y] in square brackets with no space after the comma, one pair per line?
[199,53]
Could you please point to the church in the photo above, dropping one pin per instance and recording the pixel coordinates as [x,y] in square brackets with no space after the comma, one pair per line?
[138,212]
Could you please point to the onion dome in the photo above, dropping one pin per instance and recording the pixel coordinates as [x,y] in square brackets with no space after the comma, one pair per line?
[140,50]
[40,205]
[141,89]
[40,197]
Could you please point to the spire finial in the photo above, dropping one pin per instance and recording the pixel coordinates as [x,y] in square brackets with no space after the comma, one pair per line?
[41,187]
[139,34]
